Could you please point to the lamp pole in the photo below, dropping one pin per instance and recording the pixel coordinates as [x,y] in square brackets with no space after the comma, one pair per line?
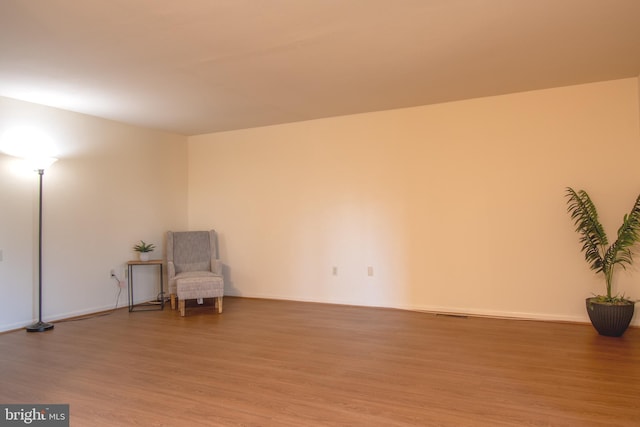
[40,326]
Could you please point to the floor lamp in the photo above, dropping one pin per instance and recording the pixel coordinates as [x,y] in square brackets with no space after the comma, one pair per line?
[39,166]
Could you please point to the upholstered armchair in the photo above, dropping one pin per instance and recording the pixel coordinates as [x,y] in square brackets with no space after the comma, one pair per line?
[193,268]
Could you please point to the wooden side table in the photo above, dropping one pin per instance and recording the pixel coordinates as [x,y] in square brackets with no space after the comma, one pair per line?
[151,305]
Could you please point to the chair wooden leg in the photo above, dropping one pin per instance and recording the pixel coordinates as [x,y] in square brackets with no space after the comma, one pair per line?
[181,306]
[219,304]
[173,301]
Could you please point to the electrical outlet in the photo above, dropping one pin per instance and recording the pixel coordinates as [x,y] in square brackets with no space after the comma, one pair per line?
[334,271]
[370,271]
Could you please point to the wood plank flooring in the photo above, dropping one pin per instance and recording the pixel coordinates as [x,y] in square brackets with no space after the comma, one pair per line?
[283,363]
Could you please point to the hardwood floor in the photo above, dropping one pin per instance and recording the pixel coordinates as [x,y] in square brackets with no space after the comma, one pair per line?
[283,363]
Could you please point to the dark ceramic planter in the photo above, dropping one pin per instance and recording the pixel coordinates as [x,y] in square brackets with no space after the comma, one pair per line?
[610,320]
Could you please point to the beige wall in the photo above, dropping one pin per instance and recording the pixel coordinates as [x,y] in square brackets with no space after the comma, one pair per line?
[113,185]
[457,207]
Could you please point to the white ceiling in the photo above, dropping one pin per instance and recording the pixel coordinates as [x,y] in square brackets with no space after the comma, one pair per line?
[200,66]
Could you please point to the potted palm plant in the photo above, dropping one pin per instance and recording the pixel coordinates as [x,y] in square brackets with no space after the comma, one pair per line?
[144,249]
[610,314]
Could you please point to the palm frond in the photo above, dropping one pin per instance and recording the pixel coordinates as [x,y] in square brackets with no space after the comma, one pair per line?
[592,235]
[628,235]
[601,258]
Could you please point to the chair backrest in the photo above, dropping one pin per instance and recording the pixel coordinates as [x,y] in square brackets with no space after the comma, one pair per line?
[191,250]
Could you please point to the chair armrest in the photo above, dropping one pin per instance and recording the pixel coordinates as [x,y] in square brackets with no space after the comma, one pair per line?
[216,266]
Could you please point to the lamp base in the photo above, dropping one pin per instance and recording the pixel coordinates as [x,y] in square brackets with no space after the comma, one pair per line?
[39,327]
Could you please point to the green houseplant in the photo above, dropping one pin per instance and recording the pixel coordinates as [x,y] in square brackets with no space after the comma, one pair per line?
[610,314]
[143,250]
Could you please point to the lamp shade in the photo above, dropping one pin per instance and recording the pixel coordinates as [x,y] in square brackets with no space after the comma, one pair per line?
[30,144]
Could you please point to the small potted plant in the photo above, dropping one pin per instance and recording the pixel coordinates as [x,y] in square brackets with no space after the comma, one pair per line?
[610,314]
[144,249]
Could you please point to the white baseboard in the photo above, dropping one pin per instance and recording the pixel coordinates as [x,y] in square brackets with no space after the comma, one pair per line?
[442,310]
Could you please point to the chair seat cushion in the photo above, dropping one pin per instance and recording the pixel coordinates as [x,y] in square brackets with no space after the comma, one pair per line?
[209,286]
[188,274]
